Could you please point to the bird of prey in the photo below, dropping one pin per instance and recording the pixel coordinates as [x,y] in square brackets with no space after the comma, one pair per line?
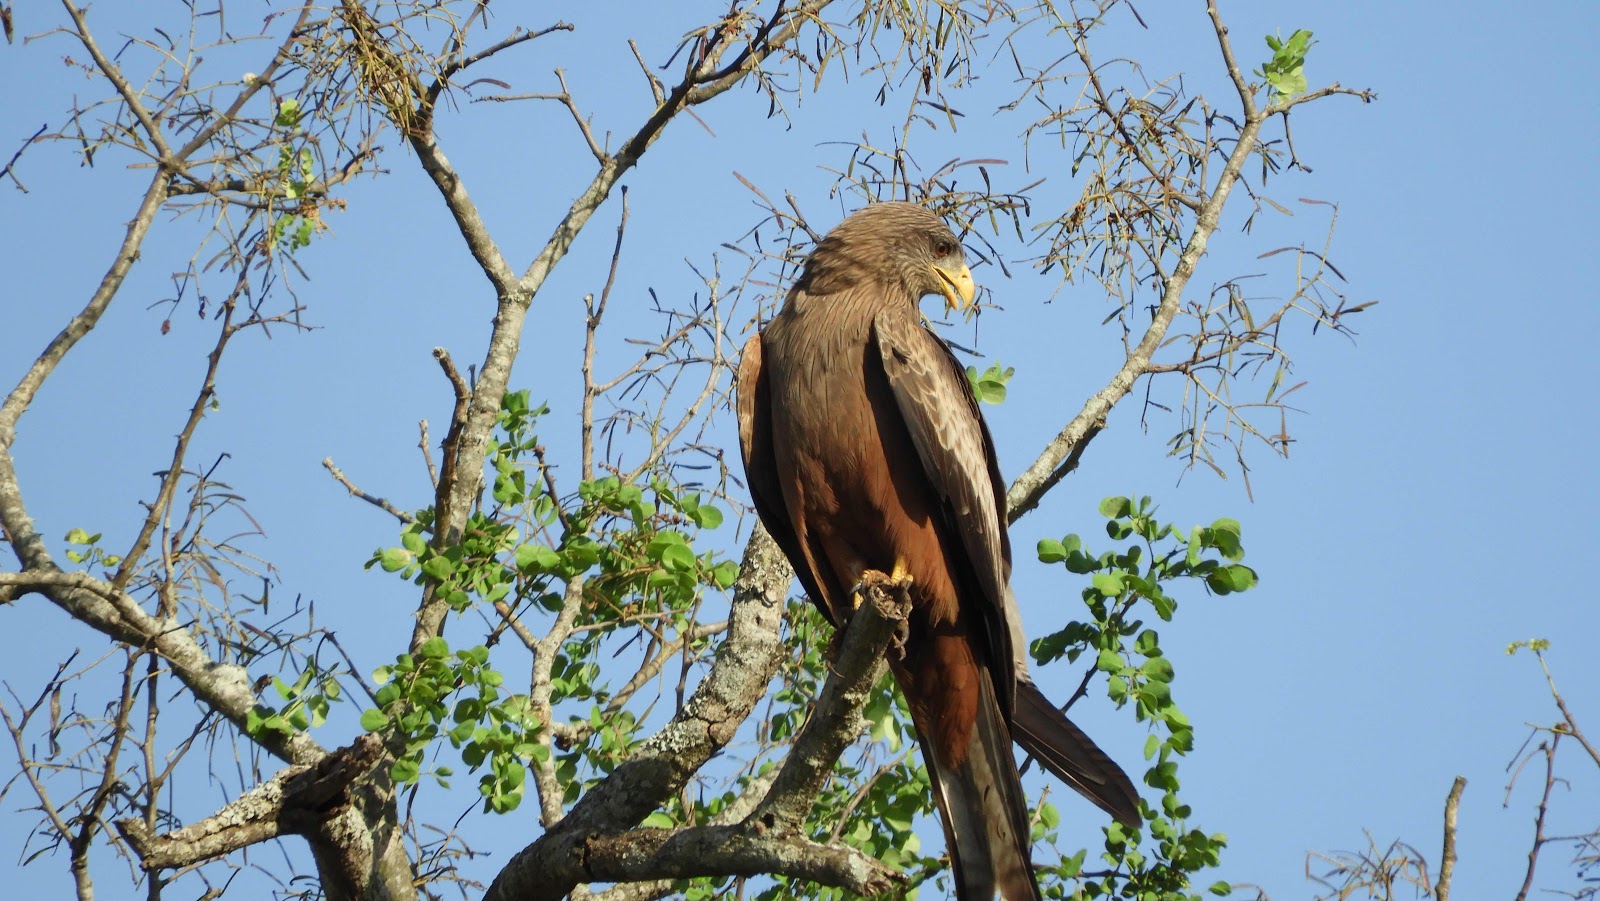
[864,450]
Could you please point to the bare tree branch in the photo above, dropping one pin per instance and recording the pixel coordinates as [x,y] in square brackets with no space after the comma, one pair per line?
[293,802]
[1447,857]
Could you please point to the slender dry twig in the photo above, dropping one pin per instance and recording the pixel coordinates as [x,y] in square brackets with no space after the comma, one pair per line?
[10,168]
[1547,750]
[381,503]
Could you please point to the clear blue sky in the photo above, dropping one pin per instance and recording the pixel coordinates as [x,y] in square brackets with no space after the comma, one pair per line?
[1434,508]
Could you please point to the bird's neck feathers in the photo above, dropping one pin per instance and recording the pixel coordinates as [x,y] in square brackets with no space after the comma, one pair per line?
[842,278]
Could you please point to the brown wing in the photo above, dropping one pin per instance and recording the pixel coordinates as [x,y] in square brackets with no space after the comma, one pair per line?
[956,452]
[761,468]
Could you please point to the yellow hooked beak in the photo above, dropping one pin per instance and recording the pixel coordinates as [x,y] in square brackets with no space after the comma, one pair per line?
[955,283]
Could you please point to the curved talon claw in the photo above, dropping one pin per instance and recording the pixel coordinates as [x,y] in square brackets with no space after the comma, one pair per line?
[897,641]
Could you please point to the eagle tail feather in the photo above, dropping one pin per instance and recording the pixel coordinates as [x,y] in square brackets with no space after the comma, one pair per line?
[1046,734]
[983,808]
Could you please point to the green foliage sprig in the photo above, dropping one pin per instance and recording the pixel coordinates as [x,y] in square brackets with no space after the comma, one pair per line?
[990,385]
[609,556]
[307,701]
[1124,583]
[1285,72]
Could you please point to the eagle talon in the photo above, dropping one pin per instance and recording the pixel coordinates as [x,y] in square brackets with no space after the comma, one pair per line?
[899,637]
[858,594]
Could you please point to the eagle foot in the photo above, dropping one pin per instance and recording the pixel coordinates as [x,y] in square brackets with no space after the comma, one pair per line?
[891,593]
[893,584]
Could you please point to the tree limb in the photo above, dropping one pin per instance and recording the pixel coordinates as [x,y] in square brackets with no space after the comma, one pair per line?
[290,803]
[836,720]
[729,850]
[769,840]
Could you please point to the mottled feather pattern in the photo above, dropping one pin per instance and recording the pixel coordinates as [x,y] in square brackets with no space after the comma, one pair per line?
[953,446]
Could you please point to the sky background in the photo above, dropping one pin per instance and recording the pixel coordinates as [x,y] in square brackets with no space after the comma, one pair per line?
[1436,506]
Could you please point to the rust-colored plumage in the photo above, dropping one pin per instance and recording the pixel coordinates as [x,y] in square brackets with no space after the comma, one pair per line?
[865,450]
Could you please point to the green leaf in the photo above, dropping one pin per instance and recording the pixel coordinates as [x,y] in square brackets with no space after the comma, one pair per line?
[388,694]
[394,559]
[512,773]
[435,648]
[438,568]
[1051,551]
[1079,562]
[581,553]
[1231,578]
[708,517]
[1109,584]
[536,558]
[1227,525]
[1109,661]
[1115,507]
[373,720]
[544,510]
[1285,71]
[724,574]
[1117,689]
[413,541]
[288,113]
[405,771]
[1148,643]
[1158,669]
[677,558]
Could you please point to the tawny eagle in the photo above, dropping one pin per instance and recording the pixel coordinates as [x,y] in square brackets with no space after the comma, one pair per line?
[865,450]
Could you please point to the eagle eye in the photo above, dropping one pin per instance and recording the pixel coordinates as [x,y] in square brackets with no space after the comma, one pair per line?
[943,248]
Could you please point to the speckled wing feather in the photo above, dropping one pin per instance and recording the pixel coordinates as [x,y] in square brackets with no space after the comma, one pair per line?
[934,398]
[953,441]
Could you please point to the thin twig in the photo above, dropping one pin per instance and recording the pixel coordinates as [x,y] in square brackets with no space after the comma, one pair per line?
[380,503]
[134,558]
[1548,750]
[426,445]
[10,167]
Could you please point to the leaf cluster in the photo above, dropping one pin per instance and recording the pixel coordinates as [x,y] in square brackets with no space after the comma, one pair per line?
[612,555]
[306,702]
[1125,585]
[990,385]
[1285,72]
[415,702]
